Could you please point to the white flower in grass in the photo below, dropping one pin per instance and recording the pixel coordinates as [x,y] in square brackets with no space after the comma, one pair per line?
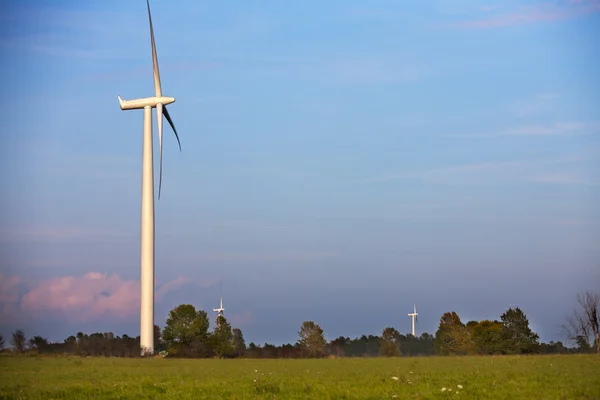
[444,389]
[395,378]
[459,386]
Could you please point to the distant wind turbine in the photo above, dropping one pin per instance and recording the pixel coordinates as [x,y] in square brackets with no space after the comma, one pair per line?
[220,310]
[147,218]
[413,315]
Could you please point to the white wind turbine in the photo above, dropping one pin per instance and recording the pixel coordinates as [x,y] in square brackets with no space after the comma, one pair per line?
[220,310]
[413,315]
[147,217]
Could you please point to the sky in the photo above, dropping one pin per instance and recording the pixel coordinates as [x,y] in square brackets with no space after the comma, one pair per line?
[339,159]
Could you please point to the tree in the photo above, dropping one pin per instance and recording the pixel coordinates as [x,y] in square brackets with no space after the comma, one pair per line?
[239,344]
[222,338]
[584,323]
[337,346]
[452,337]
[312,339]
[1,342]
[158,343]
[18,340]
[486,336]
[38,343]
[517,337]
[186,331]
[390,346]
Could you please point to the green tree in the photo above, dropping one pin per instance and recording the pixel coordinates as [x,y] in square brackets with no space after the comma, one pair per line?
[222,338]
[486,336]
[38,343]
[452,337]
[18,340]
[158,342]
[390,346]
[583,344]
[186,331]
[239,344]
[312,340]
[517,337]
[1,342]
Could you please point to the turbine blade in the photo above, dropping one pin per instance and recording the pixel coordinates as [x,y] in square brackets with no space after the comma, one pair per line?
[157,88]
[172,126]
[159,121]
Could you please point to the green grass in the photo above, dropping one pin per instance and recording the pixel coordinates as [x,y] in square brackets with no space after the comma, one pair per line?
[530,377]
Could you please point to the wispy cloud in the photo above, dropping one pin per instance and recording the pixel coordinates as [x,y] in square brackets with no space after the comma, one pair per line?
[551,171]
[81,298]
[54,234]
[172,286]
[444,172]
[566,178]
[537,12]
[241,319]
[9,289]
[555,129]
[540,104]
[267,256]
[144,71]
[103,21]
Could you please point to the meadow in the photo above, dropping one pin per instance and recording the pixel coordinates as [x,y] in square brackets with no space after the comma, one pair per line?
[479,377]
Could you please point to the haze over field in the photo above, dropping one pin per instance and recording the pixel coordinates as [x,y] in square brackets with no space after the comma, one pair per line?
[338,158]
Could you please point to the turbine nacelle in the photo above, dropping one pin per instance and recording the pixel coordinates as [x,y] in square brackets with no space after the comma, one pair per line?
[145,102]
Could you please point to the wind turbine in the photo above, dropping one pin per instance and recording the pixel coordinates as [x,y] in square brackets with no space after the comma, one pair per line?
[147,216]
[220,310]
[413,315]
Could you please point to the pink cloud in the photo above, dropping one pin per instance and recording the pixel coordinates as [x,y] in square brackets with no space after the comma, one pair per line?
[171,286]
[538,12]
[9,289]
[89,296]
[81,298]
[241,319]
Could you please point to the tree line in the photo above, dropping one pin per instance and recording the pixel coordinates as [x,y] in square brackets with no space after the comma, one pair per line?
[187,334]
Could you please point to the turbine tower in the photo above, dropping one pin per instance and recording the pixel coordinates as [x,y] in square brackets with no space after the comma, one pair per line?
[147,215]
[413,315]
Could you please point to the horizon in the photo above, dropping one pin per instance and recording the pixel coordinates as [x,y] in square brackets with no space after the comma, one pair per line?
[338,161]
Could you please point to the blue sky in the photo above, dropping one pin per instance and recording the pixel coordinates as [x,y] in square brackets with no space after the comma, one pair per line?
[338,159]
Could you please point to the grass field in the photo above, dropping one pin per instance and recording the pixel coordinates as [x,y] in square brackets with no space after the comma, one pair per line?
[510,377]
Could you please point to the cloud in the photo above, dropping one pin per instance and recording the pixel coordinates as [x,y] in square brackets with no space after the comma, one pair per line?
[142,72]
[541,103]
[444,172]
[266,256]
[54,234]
[506,172]
[83,298]
[102,21]
[62,32]
[171,286]
[565,178]
[241,319]
[555,129]
[9,289]
[538,12]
